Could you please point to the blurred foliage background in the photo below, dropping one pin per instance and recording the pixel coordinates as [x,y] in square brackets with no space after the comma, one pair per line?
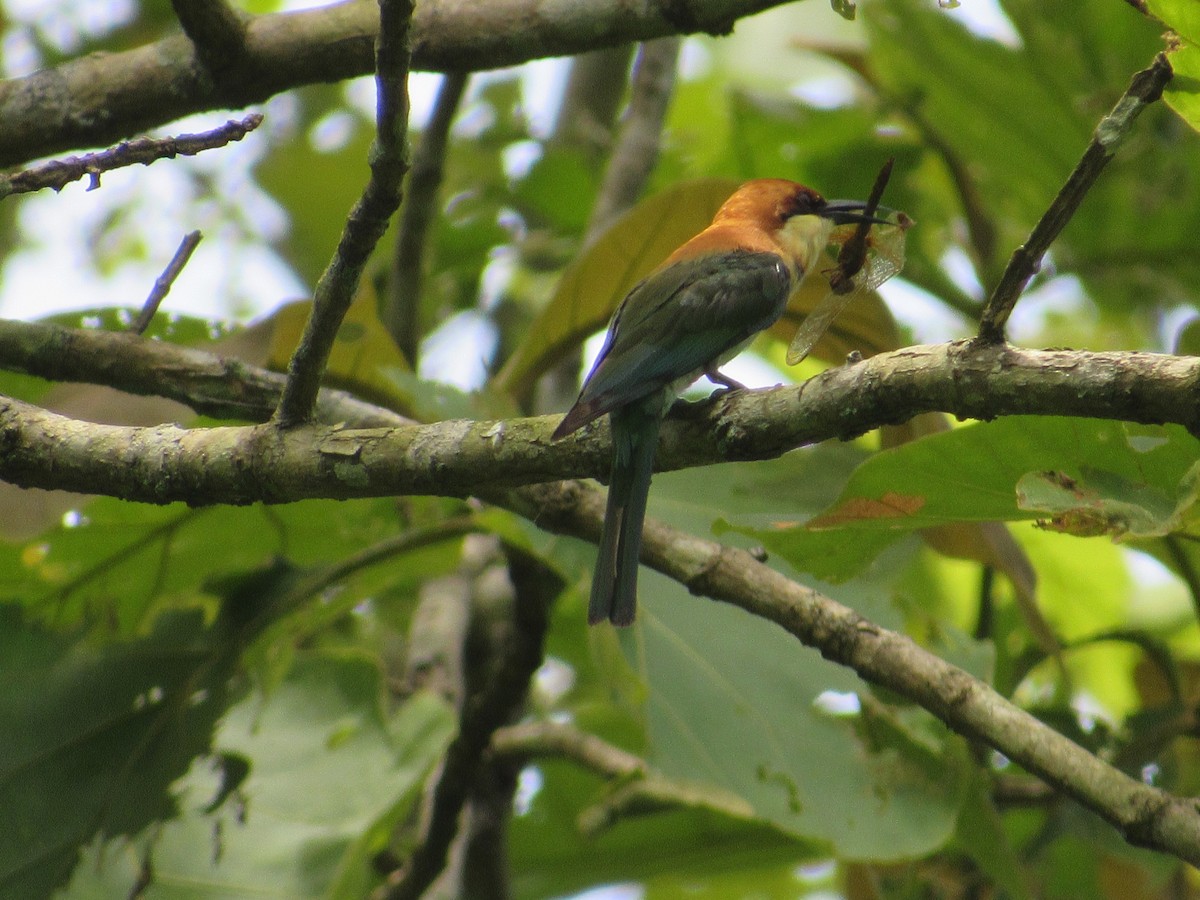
[226,702]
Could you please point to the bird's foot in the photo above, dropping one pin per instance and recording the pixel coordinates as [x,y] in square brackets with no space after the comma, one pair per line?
[727,384]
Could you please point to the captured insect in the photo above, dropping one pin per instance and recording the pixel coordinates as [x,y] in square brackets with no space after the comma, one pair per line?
[871,251]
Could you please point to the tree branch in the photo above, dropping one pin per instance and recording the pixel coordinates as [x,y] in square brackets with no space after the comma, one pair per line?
[367,222]
[637,146]
[58,173]
[237,465]
[246,464]
[1146,816]
[555,740]
[638,788]
[216,30]
[103,97]
[1145,88]
[215,386]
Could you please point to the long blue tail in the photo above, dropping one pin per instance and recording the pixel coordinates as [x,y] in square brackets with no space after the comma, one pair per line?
[614,586]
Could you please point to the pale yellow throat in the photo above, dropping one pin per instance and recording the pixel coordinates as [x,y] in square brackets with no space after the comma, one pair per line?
[804,238]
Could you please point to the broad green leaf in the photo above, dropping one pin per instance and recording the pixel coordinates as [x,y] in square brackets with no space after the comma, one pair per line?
[1102,502]
[732,701]
[970,89]
[1181,16]
[695,853]
[981,834]
[95,735]
[1183,93]
[736,703]
[315,187]
[1084,589]
[331,776]
[119,563]
[557,190]
[971,474]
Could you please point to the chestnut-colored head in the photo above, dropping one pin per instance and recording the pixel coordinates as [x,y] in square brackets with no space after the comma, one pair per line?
[768,203]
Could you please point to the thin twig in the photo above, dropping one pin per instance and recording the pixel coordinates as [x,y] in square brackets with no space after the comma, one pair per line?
[402,313]
[58,173]
[1184,568]
[367,222]
[162,284]
[1145,88]
[541,740]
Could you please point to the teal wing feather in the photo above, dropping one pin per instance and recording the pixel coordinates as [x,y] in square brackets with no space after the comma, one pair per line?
[678,321]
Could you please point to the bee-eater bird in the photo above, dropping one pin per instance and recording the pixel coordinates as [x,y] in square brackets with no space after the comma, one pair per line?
[693,313]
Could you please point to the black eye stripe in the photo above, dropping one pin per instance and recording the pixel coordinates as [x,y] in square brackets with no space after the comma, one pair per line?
[801,204]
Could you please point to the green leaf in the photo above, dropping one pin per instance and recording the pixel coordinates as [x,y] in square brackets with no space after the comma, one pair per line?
[695,853]
[120,563]
[1102,502]
[317,188]
[557,190]
[736,703]
[972,474]
[363,351]
[732,701]
[331,776]
[96,737]
[1181,16]
[970,89]
[981,834]
[1183,92]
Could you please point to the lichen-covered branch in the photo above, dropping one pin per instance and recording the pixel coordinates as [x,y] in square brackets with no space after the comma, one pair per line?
[246,464]
[216,386]
[102,98]
[1145,815]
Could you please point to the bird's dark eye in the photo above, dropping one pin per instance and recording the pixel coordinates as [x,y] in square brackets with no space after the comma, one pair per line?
[803,203]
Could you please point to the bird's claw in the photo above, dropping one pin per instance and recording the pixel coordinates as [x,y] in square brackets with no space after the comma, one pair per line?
[727,384]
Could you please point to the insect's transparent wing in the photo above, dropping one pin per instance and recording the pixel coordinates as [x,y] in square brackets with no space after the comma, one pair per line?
[817,322]
[886,259]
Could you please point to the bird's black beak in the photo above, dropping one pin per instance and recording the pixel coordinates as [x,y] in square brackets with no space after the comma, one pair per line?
[850,212]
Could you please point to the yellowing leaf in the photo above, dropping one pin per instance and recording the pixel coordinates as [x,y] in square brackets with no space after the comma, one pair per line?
[362,353]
